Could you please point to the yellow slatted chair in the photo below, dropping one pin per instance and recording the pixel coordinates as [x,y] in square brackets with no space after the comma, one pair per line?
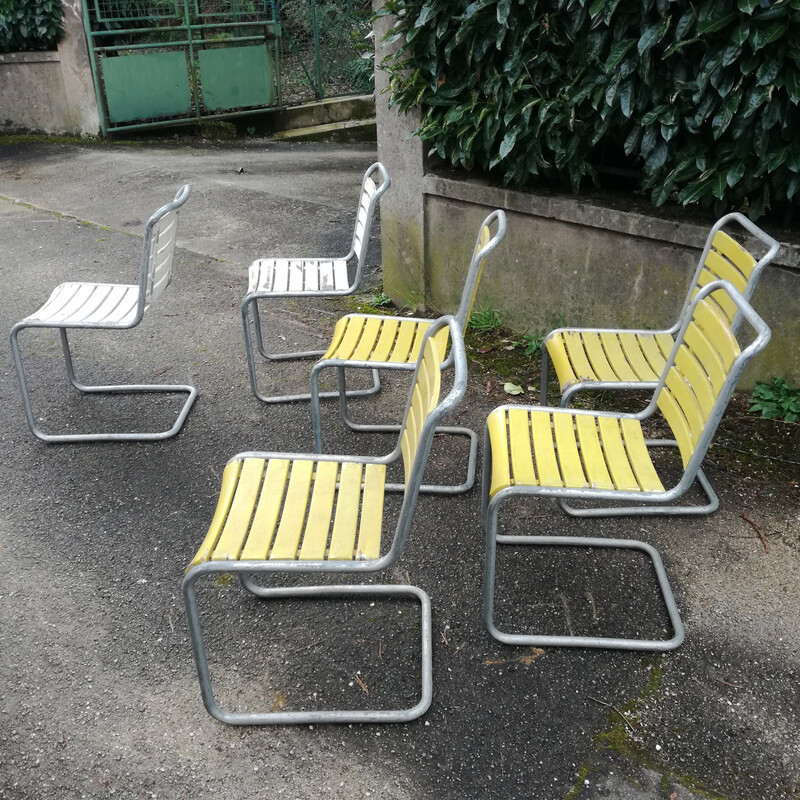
[599,456]
[325,276]
[619,359]
[110,306]
[301,513]
[371,341]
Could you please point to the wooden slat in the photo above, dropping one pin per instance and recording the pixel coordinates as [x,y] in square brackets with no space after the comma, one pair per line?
[734,252]
[616,455]
[631,346]
[723,299]
[639,456]
[296,276]
[351,337]
[560,361]
[573,341]
[320,512]
[383,347]
[497,428]
[544,450]
[338,332]
[265,520]
[369,336]
[617,358]
[593,348]
[704,351]
[402,345]
[725,270]
[691,368]
[230,478]
[677,422]
[718,332]
[311,270]
[690,407]
[371,522]
[290,527]
[340,281]
[348,501]
[569,459]
[231,540]
[280,275]
[419,335]
[521,447]
[327,281]
[653,353]
[592,456]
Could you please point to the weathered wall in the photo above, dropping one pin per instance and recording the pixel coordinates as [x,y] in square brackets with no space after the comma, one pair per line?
[51,92]
[563,261]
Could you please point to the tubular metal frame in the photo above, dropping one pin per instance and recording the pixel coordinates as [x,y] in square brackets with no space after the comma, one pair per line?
[585,385]
[250,312]
[150,250]
[246,570]
[656,502]
[461,317]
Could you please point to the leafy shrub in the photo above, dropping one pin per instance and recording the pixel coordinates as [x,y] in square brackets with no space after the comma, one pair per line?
[700,96]
[776,400]
[30,25]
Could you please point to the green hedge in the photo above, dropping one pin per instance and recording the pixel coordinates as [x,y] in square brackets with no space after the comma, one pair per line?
[701,98]
[30,25]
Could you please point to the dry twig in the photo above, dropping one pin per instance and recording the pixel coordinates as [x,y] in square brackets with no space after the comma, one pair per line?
[758,531]
[613,708]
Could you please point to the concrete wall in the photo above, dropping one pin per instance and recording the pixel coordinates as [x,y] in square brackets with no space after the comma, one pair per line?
[51,92]
[564,260]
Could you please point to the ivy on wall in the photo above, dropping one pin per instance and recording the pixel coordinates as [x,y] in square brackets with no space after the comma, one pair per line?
[30,25]
[701,98]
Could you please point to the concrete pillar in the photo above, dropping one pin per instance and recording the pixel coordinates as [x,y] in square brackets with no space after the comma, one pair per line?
[76,72]
[402,207]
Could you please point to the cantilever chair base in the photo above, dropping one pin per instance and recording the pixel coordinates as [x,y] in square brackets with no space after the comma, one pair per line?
[245,571]
[104,389]
[602,642]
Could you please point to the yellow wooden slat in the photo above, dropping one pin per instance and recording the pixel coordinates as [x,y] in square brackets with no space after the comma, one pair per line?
[544,452]
[230,478]
[443,340]
[691,368]
[616,455]
[386,339]
[290,527]
[338,332]
[653,353]
[352,335]
[573,341]
[262,528]
[371,522]
[723,299]
[320,512]
[690,406]
[348,501]
[593,347]
[419,335]
[594,462]
[734,252]
[639,456]
[711,361]
[483,240]
[402,345]
[719,333]
[234,533]
[569,459]
[724,270]
[497,428]
[521,446]
[633,354]
[560,361]
[678,425]
[620,365]
[369,336]
[412,431]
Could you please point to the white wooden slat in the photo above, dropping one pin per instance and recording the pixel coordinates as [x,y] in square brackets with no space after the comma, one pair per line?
[340,275]
[327,279]
[280,277]
[295,276]
[311,270]
[108,305]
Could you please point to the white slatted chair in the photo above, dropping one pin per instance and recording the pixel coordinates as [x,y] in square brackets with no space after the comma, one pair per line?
[287,514]
[110,306]
[310,277]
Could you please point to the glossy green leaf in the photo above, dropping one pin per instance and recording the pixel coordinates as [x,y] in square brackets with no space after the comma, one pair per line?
[735,173]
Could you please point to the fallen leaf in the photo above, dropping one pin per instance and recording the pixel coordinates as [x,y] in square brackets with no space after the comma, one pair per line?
[512,388]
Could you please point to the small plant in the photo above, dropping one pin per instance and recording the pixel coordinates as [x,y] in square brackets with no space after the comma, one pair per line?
[776,400]
[380,300]
[484,321]
[533,344]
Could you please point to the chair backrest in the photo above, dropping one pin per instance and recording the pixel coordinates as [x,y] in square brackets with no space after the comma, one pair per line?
[703,369]
[485,243]
[725,259]
[424,410]
[376,181]
[158,250]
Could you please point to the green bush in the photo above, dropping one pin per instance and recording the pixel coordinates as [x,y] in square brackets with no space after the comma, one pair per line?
[701,98]
[30,25]
[776,400]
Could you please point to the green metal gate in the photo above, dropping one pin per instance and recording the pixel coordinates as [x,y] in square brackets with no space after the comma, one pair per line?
[157,62]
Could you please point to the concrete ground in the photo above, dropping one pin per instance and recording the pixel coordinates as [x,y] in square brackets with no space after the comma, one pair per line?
[98,693]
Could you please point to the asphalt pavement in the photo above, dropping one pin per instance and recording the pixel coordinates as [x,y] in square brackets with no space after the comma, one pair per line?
[98,692]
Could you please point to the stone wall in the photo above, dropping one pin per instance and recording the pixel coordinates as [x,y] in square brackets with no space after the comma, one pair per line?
[564,260]
[51,92]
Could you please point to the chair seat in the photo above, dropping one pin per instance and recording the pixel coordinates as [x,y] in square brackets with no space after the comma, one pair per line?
[376,339]
[284,508]
[106,305]
[556,449]
[310,275]
[608,356]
